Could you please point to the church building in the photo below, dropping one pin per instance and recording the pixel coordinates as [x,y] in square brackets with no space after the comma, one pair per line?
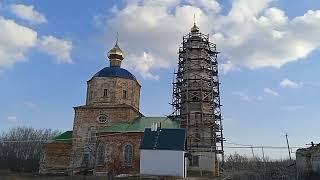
[107,130]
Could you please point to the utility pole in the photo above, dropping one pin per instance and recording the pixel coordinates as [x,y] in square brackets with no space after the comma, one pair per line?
[252,152]
[288,147]
[263,154]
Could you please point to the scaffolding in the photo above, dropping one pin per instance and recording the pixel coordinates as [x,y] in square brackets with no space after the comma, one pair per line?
[196,96]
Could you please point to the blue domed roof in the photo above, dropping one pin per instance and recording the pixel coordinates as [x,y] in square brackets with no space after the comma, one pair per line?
[115,72]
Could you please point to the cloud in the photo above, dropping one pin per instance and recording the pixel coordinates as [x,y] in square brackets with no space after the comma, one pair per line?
[59,48]
[292,107]
[245,97]
[286,83]
[12,119]
[253,34]
[28,13]
[143,63]
[15,41]
[209,6]
[228,67]
[29,105]
[271,92]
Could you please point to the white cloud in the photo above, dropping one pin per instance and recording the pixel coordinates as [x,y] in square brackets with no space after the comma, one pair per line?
[29,105]
[15,41]
[228,67]
[28,13]
[143,63]
[12,119]
[59,48]
[253,34]
[292,107]
[271,92]
[286,83]
[210,6]
[249,98]
[243,96]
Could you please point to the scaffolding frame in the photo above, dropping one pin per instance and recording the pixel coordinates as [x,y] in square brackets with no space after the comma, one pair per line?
[196,95]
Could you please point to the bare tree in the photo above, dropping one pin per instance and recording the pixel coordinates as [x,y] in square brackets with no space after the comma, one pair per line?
[240,167]
[21,148]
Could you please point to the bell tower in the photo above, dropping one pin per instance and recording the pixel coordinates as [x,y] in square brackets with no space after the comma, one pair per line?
[196,100]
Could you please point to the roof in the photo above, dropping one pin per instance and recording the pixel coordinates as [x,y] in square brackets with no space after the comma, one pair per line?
[115,72]
[164,139]
[64,137]
[140,123]
[309,150]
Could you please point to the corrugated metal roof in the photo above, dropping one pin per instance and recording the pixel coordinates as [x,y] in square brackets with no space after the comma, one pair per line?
[164,139]
[115,72]
[139,124]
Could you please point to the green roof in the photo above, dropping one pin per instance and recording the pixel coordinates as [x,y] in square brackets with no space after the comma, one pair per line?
[139,124]
[64,137]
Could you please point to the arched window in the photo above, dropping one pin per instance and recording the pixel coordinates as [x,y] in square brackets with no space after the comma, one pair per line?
[100,154]
[92,134]
[124,94]
[105,93]
[128,151]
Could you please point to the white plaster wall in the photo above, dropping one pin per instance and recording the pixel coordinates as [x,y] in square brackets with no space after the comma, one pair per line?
[162,162]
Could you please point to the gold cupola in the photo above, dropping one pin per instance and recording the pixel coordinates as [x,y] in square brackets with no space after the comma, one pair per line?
[115,55]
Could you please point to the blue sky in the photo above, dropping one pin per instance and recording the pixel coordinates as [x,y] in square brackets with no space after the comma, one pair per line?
[268,62]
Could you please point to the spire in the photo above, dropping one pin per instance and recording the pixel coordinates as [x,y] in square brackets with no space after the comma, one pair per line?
[117,39]
[116,55]
[195,28]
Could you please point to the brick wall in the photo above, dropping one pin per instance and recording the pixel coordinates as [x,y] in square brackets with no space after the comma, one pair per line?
[115,88]
[56,158]
[114,152]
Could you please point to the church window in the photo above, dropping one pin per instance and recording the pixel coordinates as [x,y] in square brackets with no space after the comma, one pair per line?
[92,134]
[100,154]
[103,118]
[128,151]
[105,93]
[85,159]
[124,94]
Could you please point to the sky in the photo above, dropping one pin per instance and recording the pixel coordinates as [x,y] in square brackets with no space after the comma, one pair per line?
[268,61]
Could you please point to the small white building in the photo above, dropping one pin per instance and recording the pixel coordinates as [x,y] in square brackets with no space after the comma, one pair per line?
[162,152]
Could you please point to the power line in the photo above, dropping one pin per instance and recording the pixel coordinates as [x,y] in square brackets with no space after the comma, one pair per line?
[258,146]
[238,145]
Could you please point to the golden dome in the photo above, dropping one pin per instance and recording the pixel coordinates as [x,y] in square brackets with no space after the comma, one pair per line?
[116,53]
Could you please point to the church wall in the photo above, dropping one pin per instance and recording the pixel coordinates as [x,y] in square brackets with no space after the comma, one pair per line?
[56,158]
[114,87]
[86,126]
[114,153]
